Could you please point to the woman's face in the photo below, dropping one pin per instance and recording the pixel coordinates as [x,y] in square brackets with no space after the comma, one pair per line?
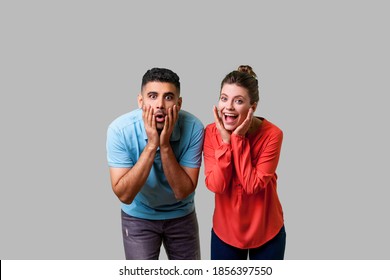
[233,105]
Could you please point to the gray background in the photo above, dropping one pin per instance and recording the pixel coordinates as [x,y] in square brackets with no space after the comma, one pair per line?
[68,68]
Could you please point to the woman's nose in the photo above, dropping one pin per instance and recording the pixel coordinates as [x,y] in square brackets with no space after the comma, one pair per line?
[230,106]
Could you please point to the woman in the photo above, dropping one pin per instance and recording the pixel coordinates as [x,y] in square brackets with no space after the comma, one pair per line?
[241,154]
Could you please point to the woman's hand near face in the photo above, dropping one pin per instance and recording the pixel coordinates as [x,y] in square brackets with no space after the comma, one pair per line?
[243,128]
[225,135]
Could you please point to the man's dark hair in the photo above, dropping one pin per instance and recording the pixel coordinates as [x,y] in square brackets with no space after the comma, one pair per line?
[161,75]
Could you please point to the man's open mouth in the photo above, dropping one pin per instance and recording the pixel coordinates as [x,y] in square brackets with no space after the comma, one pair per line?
[160,117]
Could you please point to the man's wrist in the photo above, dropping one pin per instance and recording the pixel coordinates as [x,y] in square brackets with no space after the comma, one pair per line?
[151,147]
[165,147]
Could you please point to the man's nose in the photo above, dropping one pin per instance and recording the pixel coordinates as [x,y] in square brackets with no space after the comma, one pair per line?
[160,103]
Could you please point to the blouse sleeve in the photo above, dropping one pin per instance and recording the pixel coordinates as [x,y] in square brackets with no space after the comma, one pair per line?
[255,176]
[218,163]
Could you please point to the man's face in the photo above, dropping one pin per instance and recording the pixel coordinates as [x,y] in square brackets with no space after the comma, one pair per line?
[160,96]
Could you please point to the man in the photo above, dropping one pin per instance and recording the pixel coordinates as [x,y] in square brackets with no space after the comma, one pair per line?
[154,154]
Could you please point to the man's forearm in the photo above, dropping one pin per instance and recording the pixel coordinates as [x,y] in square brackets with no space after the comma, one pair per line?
[131,182]
[180,182]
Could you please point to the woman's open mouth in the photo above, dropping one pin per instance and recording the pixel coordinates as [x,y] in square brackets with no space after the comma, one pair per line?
[230,118]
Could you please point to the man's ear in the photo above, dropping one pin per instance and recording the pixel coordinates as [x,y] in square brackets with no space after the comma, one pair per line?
[179,102]
[140,100]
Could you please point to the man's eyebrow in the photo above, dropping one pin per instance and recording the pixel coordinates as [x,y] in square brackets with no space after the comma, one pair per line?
[165,93]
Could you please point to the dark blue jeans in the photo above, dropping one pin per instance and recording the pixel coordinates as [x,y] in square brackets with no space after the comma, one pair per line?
[142,238]
[272,250]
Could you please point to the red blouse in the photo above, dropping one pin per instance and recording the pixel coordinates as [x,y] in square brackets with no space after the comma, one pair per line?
[242,175]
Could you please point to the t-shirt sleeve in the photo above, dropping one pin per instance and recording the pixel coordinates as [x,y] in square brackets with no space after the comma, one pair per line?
[117,153]
[193,155]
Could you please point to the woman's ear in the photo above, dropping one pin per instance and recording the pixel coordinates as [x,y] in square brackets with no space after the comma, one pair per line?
[254,106]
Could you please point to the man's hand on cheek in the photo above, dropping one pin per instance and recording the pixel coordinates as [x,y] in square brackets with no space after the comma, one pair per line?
[150,126]
[170,121]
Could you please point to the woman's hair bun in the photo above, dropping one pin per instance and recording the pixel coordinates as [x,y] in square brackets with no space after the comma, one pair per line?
[247,69]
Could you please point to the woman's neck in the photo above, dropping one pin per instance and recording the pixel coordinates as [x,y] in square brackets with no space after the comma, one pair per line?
[256,123]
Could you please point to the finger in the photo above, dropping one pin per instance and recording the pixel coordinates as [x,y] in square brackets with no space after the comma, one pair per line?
[248,119]
[244,127]
[168,119]
[153,119]
[148,115]
[250,114]
[175,113]
[145,114]
[174,117]
[216,115]
[143,111]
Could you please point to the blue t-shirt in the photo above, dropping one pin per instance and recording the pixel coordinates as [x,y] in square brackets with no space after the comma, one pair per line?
[126,139]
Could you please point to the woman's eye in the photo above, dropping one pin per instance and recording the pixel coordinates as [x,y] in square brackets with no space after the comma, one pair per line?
[239,101]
